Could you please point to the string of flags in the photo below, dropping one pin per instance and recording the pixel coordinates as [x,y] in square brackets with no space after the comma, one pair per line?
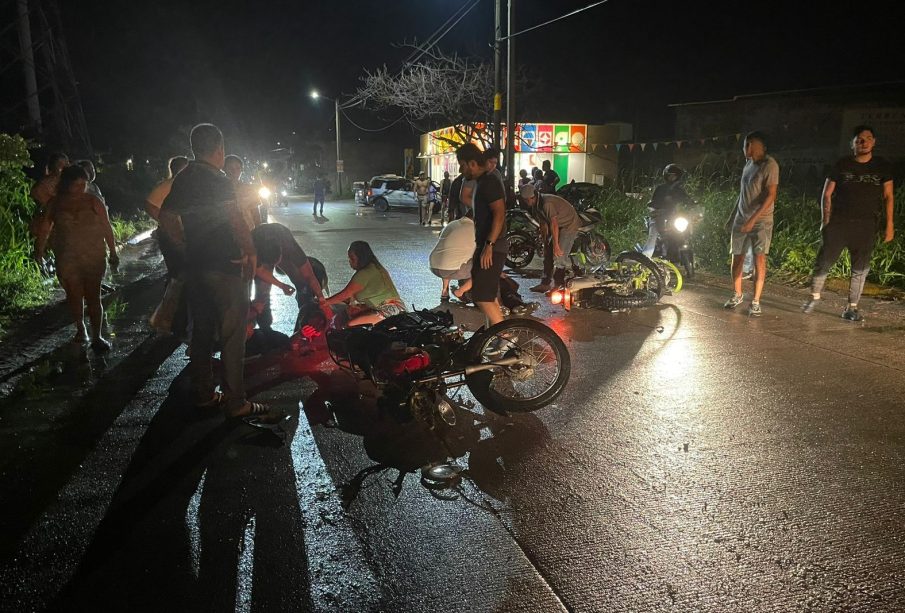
[678,143]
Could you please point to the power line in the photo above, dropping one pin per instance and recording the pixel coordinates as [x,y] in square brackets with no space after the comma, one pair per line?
[554,20]
[363,129]
[431,42]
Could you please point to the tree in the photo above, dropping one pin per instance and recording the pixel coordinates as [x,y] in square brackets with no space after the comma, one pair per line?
[438,91]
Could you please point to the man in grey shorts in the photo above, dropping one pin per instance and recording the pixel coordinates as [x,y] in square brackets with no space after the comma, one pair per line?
[751,221]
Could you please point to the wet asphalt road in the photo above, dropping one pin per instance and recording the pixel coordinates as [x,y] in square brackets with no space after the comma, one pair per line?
[698,460]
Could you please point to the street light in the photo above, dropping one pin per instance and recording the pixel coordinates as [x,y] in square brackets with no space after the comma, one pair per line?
[339,155]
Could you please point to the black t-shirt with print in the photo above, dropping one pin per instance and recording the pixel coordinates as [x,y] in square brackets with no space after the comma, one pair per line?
[205,198]
[859,188]
[489,189]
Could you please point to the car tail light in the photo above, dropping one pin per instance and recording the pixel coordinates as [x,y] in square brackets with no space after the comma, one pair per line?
[370,193]
[556,297]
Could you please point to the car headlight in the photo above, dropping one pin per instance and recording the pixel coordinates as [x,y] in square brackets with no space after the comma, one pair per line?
[680,224]
[264,193]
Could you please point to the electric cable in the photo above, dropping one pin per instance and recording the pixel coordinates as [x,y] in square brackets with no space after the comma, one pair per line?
[363,129]
[554,20]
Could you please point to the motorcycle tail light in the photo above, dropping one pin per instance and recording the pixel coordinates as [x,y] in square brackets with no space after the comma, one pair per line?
[557,297]
[567,299]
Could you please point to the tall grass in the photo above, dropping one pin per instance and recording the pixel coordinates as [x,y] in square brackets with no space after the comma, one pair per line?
[796,234]
[21,283]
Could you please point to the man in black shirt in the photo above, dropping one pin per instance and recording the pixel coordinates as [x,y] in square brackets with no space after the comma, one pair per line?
[445,184]
[858,190]
[551,179]
[220,262]
[455,205]
[490,231]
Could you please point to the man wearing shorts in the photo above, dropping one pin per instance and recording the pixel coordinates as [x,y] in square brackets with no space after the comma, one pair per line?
[452,257]
[491,246]
[751,221]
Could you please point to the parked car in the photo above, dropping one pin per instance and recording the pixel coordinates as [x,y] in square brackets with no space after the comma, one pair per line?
[386,191]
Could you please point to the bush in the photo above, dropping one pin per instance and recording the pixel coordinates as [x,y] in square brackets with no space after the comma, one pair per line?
[21,283]
[796,235]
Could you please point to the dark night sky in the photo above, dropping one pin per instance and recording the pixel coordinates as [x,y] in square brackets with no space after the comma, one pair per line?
[147,68]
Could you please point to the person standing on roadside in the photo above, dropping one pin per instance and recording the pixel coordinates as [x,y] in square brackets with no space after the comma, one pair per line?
[220,263]
[491,247]
[320,194]
[858,191]
[92,188]
[421,186]
[550,178]
[46,187]
[751,221]
[445,186]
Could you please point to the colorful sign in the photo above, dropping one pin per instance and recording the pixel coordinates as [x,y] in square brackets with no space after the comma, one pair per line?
[544,137]
[578,138]
[529,137]
[561,138]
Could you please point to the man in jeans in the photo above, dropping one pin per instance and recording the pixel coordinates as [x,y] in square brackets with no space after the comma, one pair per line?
[858,190]
[751,221]
[220,262]
[559,227]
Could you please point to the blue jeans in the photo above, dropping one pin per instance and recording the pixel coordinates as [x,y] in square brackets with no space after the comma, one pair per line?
[219,307]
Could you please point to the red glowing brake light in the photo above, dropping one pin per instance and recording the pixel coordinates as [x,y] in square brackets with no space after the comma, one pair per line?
[556,297]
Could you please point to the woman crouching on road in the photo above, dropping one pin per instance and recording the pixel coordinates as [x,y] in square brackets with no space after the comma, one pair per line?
[371,292]
[79,231]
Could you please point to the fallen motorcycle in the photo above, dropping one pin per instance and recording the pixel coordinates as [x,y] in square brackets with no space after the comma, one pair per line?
[633,281]
[418,360]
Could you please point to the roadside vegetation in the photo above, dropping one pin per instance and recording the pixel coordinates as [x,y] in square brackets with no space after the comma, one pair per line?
[796,234]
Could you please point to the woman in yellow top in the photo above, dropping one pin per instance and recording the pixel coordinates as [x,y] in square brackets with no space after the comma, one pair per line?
[371,291]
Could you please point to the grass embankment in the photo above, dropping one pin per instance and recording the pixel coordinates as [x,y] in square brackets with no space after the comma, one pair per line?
[796,234]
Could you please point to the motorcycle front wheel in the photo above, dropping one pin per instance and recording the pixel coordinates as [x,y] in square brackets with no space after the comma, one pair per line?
[536,380]
[672,276]
[521,249]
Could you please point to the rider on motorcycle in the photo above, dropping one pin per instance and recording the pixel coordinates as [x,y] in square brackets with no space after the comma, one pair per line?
[666,199]
[559,224]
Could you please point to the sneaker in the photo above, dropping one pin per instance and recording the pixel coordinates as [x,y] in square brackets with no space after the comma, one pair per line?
[852,314]
[808,307]
[748,275]
[754,310]
[254,413]
[100,345]
[525,309]
[734,301]
[541,287]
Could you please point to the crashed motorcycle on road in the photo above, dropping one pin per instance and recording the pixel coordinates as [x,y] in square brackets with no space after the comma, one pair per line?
[419,361]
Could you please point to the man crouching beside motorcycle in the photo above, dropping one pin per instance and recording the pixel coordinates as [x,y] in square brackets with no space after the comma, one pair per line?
[664,203]
[559,224]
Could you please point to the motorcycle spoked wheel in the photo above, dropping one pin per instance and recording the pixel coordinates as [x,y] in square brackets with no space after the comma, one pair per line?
[524,387]
[672,276]
[521,249]
[643,272]
[596,250]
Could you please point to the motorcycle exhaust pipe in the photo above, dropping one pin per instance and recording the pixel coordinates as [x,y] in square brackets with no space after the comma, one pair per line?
[512,361]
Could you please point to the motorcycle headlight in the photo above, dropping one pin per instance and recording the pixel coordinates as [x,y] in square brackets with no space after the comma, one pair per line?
[680,223]
[284,193]
[264,193]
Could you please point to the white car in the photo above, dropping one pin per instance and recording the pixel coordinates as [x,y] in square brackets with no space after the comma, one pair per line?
[386,191]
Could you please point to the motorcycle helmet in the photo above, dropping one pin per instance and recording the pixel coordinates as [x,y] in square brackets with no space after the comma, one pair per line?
[675,170]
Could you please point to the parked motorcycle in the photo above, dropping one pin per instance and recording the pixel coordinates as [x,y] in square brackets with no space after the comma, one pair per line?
[633,281]
[589,250]
[417,360]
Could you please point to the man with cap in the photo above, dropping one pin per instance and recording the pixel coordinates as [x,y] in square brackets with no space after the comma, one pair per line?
[559,224]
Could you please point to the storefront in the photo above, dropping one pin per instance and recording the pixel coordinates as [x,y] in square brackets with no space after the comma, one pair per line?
[568,147]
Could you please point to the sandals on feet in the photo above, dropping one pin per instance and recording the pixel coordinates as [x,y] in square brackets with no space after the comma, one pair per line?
[257,413]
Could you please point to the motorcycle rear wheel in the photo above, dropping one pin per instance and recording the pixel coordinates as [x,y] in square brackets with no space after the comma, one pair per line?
[521,249]
[528,386]
[645,275]
[672,276]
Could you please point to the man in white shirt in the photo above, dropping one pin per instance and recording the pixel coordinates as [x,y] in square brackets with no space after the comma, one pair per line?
[451,258]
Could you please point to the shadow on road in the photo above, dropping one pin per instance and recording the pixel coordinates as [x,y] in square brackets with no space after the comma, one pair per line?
[205,516]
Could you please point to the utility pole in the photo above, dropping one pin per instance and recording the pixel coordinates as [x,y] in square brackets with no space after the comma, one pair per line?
[510,96]
[28,66]
[339,152]
[497,73]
